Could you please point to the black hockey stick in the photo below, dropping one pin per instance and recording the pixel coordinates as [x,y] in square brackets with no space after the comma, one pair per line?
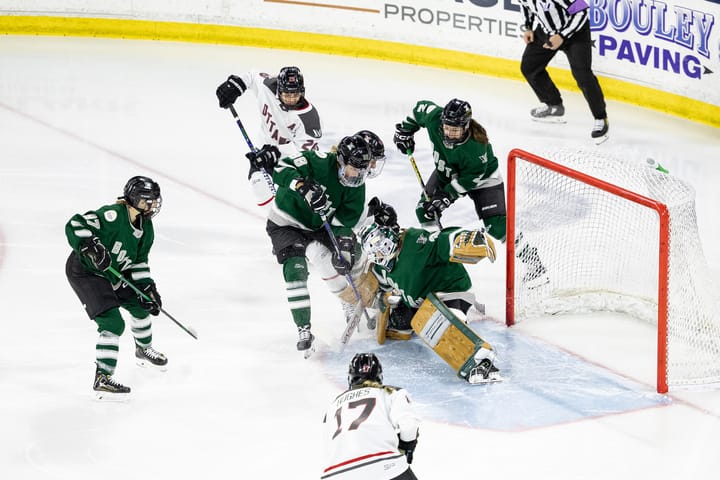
[353,323]
[268,178]
[422,185]
[191,331]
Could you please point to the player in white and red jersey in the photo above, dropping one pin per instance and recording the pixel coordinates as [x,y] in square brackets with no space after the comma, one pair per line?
[371,429]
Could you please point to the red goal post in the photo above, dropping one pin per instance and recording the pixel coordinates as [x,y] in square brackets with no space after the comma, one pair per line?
[602,228]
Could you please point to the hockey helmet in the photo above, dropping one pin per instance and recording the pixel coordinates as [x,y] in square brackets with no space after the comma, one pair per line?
[456,115]
[354,157]
[377,147]
[290,81]
[364,366]
[143,194]
[380,244]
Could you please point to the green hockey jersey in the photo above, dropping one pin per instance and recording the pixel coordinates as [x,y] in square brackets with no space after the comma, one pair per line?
[347,204]
[127,245]
[461,168]
[423,266]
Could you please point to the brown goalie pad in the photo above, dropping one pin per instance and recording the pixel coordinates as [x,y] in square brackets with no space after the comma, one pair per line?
[471,246]
[448,336]
[367,286]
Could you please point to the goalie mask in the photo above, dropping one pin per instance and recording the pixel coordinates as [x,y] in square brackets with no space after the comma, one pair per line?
[291,88]
[380,244]
[363,367]
[354,157]
[143,194]
[455,122]
[377,148]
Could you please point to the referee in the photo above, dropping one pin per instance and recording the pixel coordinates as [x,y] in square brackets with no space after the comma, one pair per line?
[552,25]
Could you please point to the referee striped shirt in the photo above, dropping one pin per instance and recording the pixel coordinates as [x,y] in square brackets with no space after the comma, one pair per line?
[564,17]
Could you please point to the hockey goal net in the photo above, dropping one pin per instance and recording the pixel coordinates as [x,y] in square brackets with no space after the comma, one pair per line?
[609,234]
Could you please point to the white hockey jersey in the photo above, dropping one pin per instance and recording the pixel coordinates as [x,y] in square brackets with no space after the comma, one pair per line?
[361,433]
[292,131]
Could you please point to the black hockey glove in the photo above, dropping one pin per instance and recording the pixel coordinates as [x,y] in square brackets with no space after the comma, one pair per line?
[344,262]
[437,204]
[230,90]
[404,139]
[153,305]
[264,159]
[96,252]
[313,194]
[408,448]
[384,214]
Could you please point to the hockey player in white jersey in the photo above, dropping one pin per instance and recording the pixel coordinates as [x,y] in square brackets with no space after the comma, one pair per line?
[371,429]
[290,123]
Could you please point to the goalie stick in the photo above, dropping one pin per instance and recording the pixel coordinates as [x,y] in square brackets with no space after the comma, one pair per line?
[191,331]
[266,175]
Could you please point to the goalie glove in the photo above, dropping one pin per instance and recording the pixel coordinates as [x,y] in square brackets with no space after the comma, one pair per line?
[471,246]
[96,253]
[408,448]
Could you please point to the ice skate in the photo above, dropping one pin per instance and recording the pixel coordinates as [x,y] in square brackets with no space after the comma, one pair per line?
[149,357]
[535,277]
[600,130]
[548,113]
[484,372]
[107,388]
[306,341]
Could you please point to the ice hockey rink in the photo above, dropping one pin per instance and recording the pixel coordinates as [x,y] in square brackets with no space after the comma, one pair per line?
[79,116]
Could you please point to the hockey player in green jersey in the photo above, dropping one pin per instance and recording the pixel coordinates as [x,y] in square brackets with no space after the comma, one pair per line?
[119,235]
[412,263]
[464,165]
[314,188]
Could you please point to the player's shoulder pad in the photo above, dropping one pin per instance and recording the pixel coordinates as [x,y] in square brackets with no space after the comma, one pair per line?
[271,84]
[311,122]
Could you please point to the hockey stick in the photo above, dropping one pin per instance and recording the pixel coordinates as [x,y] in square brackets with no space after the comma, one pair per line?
[422,184]
[191,331]
[266,175]
[360,309]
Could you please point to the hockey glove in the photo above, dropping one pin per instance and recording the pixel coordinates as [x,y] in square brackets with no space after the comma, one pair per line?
[313,194]
[153,305]
[404,139]
[408,448]
[437,204]
[230,90]
[264,159]
[344,262]
[96,253]
[384,214]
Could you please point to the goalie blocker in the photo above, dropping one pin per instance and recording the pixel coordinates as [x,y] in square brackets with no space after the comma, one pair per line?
[455,342]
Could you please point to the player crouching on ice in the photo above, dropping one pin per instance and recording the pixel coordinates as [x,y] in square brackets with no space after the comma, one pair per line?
[424,287]
[118,238]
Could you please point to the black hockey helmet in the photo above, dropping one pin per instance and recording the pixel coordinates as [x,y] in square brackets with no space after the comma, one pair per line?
[364,366]
[290,80]
[353,151]
[377,147]
[143,194]
[457,113]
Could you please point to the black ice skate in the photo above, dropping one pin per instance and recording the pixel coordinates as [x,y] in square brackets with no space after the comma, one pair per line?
[306,341]
[548,113]
[600,130]
[149,357]
[107,388]
[484,372]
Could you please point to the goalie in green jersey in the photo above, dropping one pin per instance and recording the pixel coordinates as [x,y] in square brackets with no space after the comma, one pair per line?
[314,188]
[424,270]
[465,165]
[120,236]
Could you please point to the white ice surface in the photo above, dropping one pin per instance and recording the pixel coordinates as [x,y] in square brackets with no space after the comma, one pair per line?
[80,116]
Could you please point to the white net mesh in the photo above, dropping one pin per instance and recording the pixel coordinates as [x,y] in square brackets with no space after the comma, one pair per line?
[600,252]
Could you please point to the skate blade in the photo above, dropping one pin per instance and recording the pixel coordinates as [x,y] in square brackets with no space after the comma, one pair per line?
[493,377]
[601,139]
[309,352]
[536,282]
[112,397]
[148,364]
[549,120]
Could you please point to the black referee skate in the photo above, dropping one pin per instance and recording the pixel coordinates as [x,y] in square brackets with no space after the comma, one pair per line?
[548,113]
[149,357]
[600,130]
[107,388]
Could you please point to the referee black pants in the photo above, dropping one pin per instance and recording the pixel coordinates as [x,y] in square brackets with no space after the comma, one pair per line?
[578,50]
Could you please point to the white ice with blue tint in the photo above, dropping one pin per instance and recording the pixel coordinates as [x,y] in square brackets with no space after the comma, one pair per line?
[79,116]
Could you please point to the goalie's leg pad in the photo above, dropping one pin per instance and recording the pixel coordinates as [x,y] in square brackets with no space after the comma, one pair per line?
[367,286]
[448,336]
[471,246]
